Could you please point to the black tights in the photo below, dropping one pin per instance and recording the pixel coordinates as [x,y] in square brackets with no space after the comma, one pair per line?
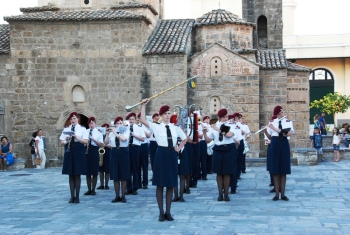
[223,182]
[168,197]
[91,181]
[117,187]
[182,186]
[74,185]
[188,180]
[104,177]
[280,184]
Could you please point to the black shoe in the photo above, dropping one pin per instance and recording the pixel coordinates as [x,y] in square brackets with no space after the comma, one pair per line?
[71,200]
[101,187]
[161,218]
[168,217]
[272,190]
[188,191]
[220,198]
[134,192]
[123,200]
[271,184]
[233,192]
[176,198]
[128,192]
[227,198]
[193,186]
[275,198]
[204,178]
[88,193]
[76,200]
[117,199]
[284,198]
[243,172]
[209,172]
[144,187]
[93,193]
[106,187]
[182,199]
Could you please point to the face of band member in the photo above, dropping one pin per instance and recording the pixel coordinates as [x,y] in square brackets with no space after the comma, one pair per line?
[240,119]
[92,125]
[166,116]
[39,133]
[280,114]
[137,120]
[156,118]
[132,120]
[120,122]
[74,120]
[224,118]
[207,120]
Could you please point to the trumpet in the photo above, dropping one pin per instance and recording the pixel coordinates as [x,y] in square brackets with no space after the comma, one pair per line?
[101,151]
[268,124]
[128,108]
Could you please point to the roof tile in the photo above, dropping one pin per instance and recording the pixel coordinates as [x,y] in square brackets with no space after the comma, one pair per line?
[4,38]
[298,68]
[272,58]
[136,5]
[37,9]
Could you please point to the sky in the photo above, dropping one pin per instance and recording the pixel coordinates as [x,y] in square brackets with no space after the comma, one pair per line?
[313,17]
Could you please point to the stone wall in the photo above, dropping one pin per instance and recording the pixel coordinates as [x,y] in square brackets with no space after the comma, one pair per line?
[5,90]
[229,35]
[50,58]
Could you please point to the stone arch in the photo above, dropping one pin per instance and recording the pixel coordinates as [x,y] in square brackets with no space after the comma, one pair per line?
[78,94]
[262,31]
[64,116]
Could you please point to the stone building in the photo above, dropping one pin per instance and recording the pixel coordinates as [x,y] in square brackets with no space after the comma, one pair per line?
[95,57]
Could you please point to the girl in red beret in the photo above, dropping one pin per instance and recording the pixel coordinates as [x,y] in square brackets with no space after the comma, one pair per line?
[165,168]
[104,169]
[152,141]
[74,163]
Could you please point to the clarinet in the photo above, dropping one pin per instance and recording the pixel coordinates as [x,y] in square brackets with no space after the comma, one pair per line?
[89,142]
[70,141]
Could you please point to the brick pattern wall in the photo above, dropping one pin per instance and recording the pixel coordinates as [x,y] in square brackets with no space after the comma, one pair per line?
[5,89]
[229,35]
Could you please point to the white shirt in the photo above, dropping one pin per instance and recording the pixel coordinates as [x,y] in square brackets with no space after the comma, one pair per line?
[96,135]
[111,138]
[237,130]
[146,131]
[79,131]
[160,133]
[204,125]
[137,130]
[40,142]
[246,129]
[214,135]
[286,123]
[336,139]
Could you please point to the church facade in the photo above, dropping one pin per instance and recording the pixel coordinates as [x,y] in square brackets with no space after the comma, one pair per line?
[96,57]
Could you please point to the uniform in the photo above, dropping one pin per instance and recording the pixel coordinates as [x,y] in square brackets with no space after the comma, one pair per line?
[195,160]
[93,156]
[237,137]
[152,148]
[144,159]
[203,154]
[246,129]
[240,149]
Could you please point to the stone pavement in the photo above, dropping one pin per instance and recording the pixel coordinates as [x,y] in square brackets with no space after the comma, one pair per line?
[36,202]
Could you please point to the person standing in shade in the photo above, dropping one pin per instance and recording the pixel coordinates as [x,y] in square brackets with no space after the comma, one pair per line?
[32,148]
[277,132]
[137,135]
[118,138]
[246,136]
[224,160]
[104,169]
[322,121]
[165,172]
[152,141]
[39,146]
[237,136]
[144,155]
[203,150]
[74,163]
[93,156]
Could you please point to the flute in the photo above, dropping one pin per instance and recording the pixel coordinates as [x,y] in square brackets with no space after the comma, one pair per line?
[270,122]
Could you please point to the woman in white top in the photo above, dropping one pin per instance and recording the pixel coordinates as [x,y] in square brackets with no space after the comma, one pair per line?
[39,146]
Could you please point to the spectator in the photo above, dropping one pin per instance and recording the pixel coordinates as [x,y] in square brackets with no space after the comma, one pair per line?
[322,121]
[317,143]
[32,148]
[336,144]
[316,121]
[39,146]
[6,147]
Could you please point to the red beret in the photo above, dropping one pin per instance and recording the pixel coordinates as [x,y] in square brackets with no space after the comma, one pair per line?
[130,115]
[239,115]
[206,117]
[164,109]
[222,113]
[235,115]
[139,115]
[155,114]
[105,125]
[117,119]
[230,117]
[277,110]
[91,119]
[73,114]
[273,117]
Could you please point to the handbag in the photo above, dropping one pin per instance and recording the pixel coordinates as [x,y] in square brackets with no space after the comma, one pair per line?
[9,159]
[37,160]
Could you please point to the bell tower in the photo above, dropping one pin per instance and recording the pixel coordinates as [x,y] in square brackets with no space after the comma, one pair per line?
[267,15]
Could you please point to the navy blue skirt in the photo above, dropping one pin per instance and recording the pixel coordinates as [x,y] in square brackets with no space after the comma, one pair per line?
[268,158]
[189,150]
[119,164]
[280,156]
[74,162]
[183,166]
[165,172]
[152,151]
[106,158]
[224,159]
[92,161]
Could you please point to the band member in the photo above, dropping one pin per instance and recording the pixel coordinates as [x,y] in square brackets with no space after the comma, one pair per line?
[237,136]
[268,157]
[240,148]
[118,138]
[246,136]
[206,123]
[223,153]
[104,169]
[93,156]
[152,141]
[189,151]
[195,175]
[137,135]
[74,163]
[203,151]
[144,155]
[165,168]
[277,132]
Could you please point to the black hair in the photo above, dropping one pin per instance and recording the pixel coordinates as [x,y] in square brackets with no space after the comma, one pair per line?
[4,137]
[34,134]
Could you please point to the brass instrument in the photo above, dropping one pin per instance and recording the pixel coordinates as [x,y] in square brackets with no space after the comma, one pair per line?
[128,108]
[101,151]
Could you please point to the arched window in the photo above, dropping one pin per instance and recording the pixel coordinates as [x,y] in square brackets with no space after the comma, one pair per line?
[78,94]
[86,3]
[321,74]
[262,32]
[215,104]
[216,67]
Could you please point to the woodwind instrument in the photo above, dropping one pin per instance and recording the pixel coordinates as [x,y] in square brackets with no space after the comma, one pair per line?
[69,142]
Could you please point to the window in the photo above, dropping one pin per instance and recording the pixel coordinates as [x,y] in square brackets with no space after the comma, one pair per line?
[215,105]
[216,67]
[321,74]
[78,94]
[262,32]
[86,3]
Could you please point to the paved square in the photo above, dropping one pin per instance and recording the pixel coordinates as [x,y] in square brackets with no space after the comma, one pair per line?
[36,202]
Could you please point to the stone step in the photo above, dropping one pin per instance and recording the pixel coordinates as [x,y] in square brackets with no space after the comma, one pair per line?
[250,161]
[18,165]
[308,156]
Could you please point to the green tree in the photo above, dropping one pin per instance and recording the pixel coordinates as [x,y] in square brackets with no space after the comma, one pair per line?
[332,103]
